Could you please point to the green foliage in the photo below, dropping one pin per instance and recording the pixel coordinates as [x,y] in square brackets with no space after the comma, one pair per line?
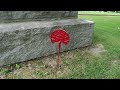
[41,73]
[17,66]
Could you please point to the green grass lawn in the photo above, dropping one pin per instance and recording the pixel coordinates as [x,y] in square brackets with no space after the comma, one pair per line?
[79,64]
[106,32]
[98,12]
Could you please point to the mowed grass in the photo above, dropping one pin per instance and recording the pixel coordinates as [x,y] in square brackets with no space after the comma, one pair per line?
[107,32]
[78,63]
[98,12]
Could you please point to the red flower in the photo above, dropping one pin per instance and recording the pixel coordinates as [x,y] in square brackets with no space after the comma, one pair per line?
[60,36]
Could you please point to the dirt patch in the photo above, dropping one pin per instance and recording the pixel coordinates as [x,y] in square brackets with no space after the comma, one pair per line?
[2,76]
[114,62]
[50,64]
[69,54]
[97,50]
[50,61]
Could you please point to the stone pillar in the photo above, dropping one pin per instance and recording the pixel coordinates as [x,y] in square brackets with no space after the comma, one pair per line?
[25,35]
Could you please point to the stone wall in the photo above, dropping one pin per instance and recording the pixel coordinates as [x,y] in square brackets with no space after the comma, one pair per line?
[10,16]
[23,41]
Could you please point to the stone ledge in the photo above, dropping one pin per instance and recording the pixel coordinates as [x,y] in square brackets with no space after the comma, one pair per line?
[12,16]
[23,41]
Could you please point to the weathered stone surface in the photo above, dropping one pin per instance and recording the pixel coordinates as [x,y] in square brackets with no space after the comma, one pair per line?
[9,16]
[28,40]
